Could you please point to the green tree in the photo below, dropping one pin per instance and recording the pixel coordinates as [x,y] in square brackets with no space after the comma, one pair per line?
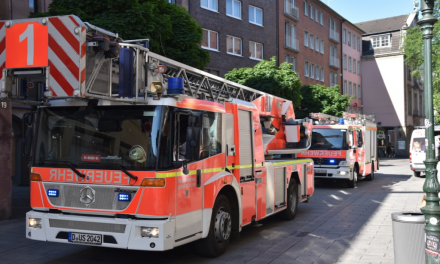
[171,30]
[280,81]
[413,48]
[322,99]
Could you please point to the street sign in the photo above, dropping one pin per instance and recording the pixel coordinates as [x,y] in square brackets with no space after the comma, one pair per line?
[380,136]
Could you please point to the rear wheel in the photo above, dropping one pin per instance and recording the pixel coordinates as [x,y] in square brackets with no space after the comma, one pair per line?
[292,201]
[220,230]
[417,173]
[353,182]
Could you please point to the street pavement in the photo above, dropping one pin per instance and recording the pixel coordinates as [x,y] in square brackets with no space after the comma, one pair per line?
[339,225]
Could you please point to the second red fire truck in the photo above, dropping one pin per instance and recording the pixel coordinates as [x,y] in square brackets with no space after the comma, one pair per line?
[133,150]
[344,148]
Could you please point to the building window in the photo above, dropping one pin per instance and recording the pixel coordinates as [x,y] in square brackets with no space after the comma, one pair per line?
[317,44]
[31,6]
[306,13]
[380,41]
[210,39]
[344,31]
[316,15]
[345,87]
[256,50]
[359,91]
[359,68]
[311,11]
[306,38]
[321,46]
[349,38]
[306,69]
[354,65]
[321,18]
[312,71]
[359,44]
[210,4]
[331,80]
[354,90]
[233,45]
[349,64]
[353,41]
[344,62]
[336,78]
[322,74]
[317,72]
[287,58]
[312,39]
[169,1]
[349,89]
[255,15]
[293,63]
[233,8]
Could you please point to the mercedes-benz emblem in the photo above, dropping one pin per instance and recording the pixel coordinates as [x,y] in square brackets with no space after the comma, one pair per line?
[319,161]
[87,195]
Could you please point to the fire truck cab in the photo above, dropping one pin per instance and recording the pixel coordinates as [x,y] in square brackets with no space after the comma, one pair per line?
[133,150]
[343,148]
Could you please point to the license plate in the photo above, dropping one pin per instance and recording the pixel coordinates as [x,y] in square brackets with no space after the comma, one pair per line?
[82,238]
[320,171]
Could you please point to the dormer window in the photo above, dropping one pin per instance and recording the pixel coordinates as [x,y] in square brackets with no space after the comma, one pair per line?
[380,41]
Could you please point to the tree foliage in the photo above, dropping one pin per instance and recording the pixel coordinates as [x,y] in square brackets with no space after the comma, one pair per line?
[413,47]
[280,81]
[171,30]
[322,99]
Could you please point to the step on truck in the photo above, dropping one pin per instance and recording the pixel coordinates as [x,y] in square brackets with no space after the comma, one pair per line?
[133,150]
[343,148]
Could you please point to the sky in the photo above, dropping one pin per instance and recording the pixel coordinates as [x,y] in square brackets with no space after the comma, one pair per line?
[364,10]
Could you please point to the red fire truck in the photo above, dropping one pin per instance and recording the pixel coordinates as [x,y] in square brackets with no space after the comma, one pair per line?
[133,150]
[344,148]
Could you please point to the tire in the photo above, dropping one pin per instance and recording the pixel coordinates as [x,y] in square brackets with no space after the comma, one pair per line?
[371,176]
[220,230]
[292,201]
[417,173]
[353,183]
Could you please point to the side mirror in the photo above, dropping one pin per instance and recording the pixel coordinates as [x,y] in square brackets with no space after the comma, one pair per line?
[185,167]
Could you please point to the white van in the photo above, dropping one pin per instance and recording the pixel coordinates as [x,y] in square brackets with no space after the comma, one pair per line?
[417,149]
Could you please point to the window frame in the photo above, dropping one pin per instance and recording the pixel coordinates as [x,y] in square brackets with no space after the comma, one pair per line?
[344,39]
[312,42]
[209,40]
[306,69]
[321,18]
[305,9]
[317,72]
[255,15]
[321,46]
[306,38]
[232,8]
[379,38]
[322,74]
[312,71]
[255,50]
[233,46]
[208,7]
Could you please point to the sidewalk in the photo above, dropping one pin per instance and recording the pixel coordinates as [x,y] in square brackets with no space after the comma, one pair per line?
[339,225]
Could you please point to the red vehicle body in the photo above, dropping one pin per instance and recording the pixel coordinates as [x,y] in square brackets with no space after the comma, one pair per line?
[133,150]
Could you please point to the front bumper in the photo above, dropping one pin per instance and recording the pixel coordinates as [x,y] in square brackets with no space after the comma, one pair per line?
[117,232]
[332,173]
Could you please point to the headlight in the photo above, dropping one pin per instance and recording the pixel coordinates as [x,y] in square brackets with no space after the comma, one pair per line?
[35,222]
[341,172]
[342,163]
[150,232]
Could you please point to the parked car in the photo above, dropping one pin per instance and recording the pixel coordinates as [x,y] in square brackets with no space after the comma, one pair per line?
[417,149]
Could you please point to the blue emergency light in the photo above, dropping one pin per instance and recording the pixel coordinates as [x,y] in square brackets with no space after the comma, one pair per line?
[175,85]
[124,197]
[332,161]
[53,193]
[341,121]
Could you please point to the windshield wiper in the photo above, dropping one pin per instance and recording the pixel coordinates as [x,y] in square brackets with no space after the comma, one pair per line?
[126,172]
[72,167]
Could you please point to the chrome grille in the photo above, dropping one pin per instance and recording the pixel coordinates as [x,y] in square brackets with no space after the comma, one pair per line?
[105,196]
[90,226]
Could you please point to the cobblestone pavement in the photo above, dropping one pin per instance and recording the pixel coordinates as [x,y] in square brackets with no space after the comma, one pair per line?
[339,225]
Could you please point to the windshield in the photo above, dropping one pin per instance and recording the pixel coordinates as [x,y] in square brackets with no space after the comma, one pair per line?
[335,139]
[104,137]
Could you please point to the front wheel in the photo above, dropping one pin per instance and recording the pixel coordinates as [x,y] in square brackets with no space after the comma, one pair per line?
[292,201]
[353,182]
[371,176]
[220,230]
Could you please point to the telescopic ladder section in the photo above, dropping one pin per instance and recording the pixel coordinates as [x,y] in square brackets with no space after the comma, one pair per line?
[349,118]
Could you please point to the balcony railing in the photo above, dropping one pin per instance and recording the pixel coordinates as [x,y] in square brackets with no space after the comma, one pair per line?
[291,10]
[334,62]
[293,45]
[334,36]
